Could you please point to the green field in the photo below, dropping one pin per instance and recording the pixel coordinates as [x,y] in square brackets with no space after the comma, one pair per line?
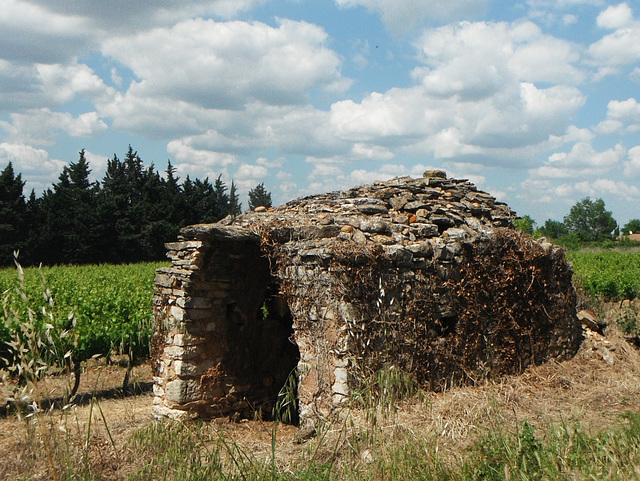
[68,314]
[607,274]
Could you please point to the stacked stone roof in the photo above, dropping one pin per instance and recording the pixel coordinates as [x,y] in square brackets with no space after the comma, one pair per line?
[400,212]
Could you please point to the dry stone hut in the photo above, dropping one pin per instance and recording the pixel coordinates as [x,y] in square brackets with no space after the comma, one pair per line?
[426,275]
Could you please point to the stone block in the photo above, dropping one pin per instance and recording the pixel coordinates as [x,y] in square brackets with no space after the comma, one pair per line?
[181,352]
[178,246]
[182,391]
[191,368]
[177,313]
[163,280]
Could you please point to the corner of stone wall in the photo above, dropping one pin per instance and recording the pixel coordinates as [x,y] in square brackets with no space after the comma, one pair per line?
[171,344]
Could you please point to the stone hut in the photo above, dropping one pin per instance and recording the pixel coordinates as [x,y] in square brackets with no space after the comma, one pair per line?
[424,275]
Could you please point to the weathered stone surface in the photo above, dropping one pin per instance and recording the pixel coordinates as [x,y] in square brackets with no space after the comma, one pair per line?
[423,274]
[435,173]
[181,391]
[372,209]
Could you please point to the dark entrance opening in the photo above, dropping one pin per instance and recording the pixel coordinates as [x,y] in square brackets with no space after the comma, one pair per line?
[256,336]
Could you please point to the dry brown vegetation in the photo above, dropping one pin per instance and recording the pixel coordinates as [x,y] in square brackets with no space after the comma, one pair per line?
[94,438]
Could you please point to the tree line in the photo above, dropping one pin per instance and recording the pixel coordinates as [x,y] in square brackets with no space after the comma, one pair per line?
[587,221]
[125,217]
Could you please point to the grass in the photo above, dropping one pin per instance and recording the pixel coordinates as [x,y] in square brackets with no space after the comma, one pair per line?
[579,419]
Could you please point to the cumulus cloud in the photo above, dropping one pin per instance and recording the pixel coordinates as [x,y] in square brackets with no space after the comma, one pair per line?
[475,95]
[623,117]
[620,48]
[34,164]
[41,126]
[248,176]
[561,196]
[121,15]
[472,59]
[615,16]
[223,65]
[632,164]
[581,161]
[199,163]
[32,33]
[48,85]
[97,164]
[42,31]
[400,15]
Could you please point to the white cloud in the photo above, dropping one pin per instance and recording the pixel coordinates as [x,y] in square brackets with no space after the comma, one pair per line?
[33,33]
[615,16]
[623,116]
[270,164]
[121,15]
[448,144]
[601,187]
[472,59]
[97,164]
[48,85]
[622,47]
[562,196]
[34,164]
[199,163]
[225,65]
[41,126]
[394,114]
[580,162]
[400,15]
[475,96]
[251,172]
[632,165]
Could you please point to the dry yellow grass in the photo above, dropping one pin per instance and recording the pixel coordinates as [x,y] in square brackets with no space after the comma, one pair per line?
[589,389]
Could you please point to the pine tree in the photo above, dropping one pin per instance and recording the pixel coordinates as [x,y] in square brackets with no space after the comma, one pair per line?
[71,224]
[123,207]
[221,199]
[13,211]
[127,217]
[235,206]
[259,196]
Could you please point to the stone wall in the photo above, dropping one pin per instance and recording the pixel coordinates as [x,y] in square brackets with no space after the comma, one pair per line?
[425,275]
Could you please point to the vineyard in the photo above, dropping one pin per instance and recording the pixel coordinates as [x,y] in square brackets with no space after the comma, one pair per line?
[62,316]
[611,275]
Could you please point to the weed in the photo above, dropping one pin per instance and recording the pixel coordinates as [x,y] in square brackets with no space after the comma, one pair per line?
[627,320]
[286,406]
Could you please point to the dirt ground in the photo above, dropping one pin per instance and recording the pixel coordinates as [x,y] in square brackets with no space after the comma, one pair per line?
[602,381]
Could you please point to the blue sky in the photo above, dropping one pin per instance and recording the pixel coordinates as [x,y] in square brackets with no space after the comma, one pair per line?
[535,101]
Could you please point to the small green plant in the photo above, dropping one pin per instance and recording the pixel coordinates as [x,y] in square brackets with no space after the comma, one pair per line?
[612,275]
[627,320]
[286,406]
[265,310]
[382,392]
